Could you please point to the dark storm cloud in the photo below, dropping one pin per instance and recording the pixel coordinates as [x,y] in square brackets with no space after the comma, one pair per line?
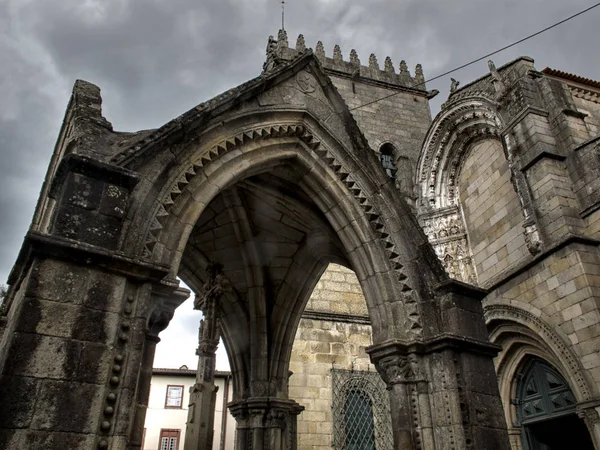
[156,59]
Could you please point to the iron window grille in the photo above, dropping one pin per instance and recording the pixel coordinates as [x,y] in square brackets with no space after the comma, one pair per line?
[361,411]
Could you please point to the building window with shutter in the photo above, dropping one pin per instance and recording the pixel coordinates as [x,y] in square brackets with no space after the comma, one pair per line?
[169,439]
[174,397]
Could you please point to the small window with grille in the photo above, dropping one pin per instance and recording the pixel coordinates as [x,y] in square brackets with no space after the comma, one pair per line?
[361,411]
[169,439]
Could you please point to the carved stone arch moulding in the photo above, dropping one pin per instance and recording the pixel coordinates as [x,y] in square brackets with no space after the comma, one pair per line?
[177,192]
[568,360]
[522,338]
[448,139]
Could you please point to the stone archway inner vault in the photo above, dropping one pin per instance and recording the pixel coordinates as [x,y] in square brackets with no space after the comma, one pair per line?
[272,180]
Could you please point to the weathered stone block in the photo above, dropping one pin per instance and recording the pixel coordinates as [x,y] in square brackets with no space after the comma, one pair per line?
[68,407]
[19,396]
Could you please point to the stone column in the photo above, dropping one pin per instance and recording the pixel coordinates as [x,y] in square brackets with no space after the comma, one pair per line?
[591,417]
[75,360]
[443,388]
[203,394]
[164,301]
[398,374]
[266,422]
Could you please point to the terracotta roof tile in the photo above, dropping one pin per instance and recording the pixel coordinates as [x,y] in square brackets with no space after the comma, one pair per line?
[571,77]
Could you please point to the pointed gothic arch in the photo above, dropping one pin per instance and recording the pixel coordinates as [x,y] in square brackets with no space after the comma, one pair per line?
[127,213]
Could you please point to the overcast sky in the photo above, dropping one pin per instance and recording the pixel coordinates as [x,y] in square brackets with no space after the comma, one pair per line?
[154,59]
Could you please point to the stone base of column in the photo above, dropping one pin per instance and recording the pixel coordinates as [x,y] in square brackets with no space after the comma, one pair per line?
[266,422]
[199,430]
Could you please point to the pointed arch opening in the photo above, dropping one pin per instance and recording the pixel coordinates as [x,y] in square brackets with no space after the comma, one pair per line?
[273,205]
[546,409]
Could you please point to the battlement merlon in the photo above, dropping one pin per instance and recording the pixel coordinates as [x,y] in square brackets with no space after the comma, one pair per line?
[279,49]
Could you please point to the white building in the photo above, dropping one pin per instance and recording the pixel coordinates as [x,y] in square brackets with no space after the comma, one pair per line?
[168,409]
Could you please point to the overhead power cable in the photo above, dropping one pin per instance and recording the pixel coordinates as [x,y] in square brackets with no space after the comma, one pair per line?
[537,33]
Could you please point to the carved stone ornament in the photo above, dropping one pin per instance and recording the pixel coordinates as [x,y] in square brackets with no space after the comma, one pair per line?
[276,419]
[448,238]
[589,416]
[306,82]
[159,320]
[497,81]
[395,369]
[530,229]
[532,238]
[453,85]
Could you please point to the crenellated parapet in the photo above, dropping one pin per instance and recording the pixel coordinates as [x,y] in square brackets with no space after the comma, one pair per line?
[279,50]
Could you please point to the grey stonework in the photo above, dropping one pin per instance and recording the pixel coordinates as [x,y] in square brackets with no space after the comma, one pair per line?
[273,180]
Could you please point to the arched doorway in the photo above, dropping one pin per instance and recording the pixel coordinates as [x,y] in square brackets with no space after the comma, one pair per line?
[546,410]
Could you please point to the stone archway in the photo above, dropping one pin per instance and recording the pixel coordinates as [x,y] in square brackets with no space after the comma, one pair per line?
[467,120]
[523,332]
[123,214]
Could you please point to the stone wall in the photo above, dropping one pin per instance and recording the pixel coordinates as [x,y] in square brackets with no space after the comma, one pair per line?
[562,291]
[333,333]
[590,106]
[402,120]
[491,210]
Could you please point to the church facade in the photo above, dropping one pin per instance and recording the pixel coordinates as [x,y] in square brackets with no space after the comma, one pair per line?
[455,261]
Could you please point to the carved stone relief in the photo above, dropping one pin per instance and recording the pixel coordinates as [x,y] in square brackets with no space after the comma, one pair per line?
[446,233]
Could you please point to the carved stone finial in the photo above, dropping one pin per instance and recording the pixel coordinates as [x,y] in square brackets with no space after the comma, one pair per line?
[404,68]
[354,57]
[282,39]
[453,85]
[419,77]
[497,80]
[389,65]
[337,54]
[320,51]
[493,69]
[300,44]
[373,64]
[271,61]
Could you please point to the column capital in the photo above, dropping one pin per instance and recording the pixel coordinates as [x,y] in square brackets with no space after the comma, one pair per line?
[589,414]
[396,369]
[164,302]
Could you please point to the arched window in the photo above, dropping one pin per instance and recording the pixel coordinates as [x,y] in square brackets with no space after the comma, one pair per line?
[546,408]
[358,421]
[386,155]
[361,411]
